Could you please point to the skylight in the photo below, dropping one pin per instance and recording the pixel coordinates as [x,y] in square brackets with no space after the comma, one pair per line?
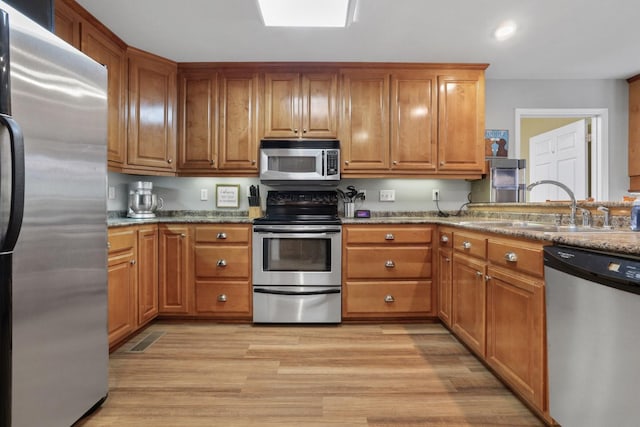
[304,13]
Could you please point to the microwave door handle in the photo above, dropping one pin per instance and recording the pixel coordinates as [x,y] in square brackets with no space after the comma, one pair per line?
[324,169]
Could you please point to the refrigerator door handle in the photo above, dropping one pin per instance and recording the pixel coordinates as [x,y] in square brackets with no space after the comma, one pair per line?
[14,224]
[5,82]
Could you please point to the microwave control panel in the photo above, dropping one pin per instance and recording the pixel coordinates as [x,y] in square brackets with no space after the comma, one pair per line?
[333,162]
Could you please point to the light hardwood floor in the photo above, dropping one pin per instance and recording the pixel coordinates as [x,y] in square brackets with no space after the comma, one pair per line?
[207,374]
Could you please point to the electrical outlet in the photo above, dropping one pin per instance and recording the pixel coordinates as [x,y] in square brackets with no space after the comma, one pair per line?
[204,194]
[112,193]
[435,194]
[387,195]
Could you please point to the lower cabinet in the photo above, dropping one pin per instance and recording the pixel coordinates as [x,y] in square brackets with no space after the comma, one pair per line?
[222,271]
[445,272]
[175,289]
[469,301]
[147,273]
[122,273]
[387,272]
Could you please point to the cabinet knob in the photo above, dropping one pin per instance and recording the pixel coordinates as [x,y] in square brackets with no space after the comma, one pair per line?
[442,163]
[395,162]
[444,238]
[447,259]
[389,299]
[221,236]
[389,264]
[295,130]
[169,160]
[221,263]
[183,235]
[466,245]
[487,277]
[108,245]
[511,256]
[479,274]
[253,162]
[304,131]
[132,262]
[222,298]
[346,162]
[212,162]
[389,236]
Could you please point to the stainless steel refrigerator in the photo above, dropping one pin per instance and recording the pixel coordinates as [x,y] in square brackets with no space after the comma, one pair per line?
[53,233]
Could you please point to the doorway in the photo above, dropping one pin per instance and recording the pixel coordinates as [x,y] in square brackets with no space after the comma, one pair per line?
[598,170]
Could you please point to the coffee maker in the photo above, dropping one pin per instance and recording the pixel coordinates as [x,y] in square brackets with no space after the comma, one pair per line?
[142,202]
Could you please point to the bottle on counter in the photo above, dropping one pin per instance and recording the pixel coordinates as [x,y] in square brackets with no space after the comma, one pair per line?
[635,215]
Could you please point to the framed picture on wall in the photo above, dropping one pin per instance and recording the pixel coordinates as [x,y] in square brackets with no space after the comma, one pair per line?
[496,143]
[227,195]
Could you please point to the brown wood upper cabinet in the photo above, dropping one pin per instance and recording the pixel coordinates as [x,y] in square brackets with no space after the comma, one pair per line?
[412,121]
[301,105]
[78,28]
[152,99]
[634,133]
[218,122]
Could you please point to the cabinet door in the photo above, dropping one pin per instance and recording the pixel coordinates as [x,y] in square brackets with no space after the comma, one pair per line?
[515,332]
[152,96]
[445,285]
[67,24]
[122,294]
[319,105]
[175,288]
[197,121]
[147,274]
[364,123]
[105,51]
[238,135]
[413,121]
[469,301]
[634,134]
[282,105]
[461,122]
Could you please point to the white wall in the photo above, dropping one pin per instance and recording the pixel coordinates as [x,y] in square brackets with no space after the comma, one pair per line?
[504,96]
[184,193]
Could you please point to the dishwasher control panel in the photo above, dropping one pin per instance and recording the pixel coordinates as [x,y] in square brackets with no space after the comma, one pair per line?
[601,267]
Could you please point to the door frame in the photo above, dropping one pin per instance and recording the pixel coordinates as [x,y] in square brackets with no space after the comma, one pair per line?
[599,140]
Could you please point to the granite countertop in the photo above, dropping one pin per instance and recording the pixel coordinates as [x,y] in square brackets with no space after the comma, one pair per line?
[619,240]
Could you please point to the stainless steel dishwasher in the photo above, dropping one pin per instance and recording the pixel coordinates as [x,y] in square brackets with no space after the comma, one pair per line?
[593,337]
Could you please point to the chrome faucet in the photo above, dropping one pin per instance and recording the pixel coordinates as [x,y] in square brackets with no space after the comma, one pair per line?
[574,204]
[606,224]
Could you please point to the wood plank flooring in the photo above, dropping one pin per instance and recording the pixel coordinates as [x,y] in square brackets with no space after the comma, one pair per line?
[207,374]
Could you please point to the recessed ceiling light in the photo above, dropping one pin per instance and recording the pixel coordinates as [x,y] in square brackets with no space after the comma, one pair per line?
[304,13]
[505,30]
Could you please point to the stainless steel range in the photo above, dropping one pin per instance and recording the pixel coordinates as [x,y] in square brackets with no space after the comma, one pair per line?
[297,259]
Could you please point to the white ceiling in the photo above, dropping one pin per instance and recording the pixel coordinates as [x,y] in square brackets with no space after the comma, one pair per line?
[557,39]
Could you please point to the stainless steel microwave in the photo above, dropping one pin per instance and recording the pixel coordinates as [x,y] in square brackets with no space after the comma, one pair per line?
[300,162]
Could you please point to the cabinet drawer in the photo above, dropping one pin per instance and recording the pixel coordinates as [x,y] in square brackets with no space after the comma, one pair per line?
[525,257]
[388,297]
[223,298]
[224,262]
[375,262]
[223,233]
[387,234]
[470,244]
[121,239]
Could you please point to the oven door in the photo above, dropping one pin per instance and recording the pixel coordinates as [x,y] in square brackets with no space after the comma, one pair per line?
[297,304]
[297,255]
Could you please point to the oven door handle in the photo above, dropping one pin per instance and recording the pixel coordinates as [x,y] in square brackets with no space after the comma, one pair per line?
[275,292]
[296,234]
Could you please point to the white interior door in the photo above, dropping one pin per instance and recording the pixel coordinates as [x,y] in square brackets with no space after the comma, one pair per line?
[561,155]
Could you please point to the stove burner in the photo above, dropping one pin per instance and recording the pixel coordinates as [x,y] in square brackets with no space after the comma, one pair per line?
[301,207]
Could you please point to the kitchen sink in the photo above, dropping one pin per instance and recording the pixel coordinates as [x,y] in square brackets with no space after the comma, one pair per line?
[534,226]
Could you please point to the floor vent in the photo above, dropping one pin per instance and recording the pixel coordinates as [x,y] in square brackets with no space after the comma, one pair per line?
[146,342]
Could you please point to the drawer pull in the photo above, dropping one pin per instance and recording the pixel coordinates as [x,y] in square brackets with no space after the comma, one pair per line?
[479,274]
[221,263]
[132,262]
[221,236]
[222,298]
[466,245]
[183,235]
[444,238]
[389,299]
[389,236]
[511,256]
[389,264]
